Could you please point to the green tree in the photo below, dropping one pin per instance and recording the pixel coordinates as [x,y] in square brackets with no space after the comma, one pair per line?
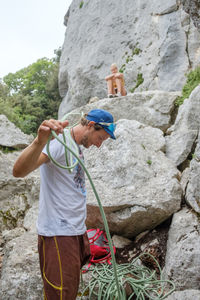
[31,79]
[4,90]
[31,94]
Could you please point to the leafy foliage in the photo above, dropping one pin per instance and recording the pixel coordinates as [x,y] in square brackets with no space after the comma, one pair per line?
[31,95]
[140,80]
[81,4]
[193,79]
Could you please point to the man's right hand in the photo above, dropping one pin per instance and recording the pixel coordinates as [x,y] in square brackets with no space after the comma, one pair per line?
[45,128]
[32,157]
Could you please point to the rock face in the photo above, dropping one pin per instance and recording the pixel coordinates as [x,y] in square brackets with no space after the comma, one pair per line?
[17,195]
[193,186]
[154,44]
[183,133]
[21,278]
[183,253]
[11,136]
[154,108]
[193,9]
[20,274]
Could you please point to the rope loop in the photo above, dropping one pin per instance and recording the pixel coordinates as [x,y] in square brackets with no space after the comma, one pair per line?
[70,159]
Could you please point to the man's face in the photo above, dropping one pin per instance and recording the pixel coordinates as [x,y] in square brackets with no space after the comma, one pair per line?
[94,137]
[114,69]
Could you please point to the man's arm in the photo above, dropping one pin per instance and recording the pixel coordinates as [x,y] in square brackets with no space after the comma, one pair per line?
[119,75]
[32,157]
[109,77]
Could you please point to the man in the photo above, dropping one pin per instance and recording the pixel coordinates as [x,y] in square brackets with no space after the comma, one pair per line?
[115,83]
[62,239]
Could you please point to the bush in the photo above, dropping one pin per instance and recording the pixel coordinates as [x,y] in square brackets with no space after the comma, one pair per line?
[140,80]
[193,79]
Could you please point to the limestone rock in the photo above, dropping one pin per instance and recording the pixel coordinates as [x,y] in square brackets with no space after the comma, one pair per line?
[153,108]
[30,218]
[11,136]
[17,194]
[120,242]
[183,254]
[193,187]
[20,275]
[136,183]
[183,133]
[179,145]
[184,179]
[154,45]
[192,7]
[185,295]
[93,100]
[9,235]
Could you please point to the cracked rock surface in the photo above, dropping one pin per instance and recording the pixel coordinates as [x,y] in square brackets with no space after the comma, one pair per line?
[156,41]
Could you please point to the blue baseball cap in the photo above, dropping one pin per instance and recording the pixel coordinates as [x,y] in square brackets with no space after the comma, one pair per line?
[104,119]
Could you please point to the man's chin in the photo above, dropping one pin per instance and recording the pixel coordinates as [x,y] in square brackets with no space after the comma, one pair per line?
[86,145]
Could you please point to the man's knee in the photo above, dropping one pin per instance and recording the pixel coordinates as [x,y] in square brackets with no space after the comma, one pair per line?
[119,76]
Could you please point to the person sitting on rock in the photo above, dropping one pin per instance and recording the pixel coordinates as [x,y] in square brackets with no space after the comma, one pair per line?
[115,83]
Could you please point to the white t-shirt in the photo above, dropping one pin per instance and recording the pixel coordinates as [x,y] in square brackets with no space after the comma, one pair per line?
[62,206]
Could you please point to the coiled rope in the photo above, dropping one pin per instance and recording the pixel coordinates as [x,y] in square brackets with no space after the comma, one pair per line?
[104,285]
[136,282]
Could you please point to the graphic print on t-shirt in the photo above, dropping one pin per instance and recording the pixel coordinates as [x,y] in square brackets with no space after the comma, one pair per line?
[79,177]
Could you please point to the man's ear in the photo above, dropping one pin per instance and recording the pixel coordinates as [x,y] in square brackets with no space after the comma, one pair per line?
[91,124]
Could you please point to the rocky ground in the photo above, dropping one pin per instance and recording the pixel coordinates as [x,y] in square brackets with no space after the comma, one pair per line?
[153,242]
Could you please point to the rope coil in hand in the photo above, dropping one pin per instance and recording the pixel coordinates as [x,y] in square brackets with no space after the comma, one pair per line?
[109,282]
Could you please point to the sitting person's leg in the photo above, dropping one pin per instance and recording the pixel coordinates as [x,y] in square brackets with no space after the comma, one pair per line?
[120,85]
[110,87]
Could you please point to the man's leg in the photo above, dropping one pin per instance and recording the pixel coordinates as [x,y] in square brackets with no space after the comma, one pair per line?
[60,261]
[120,85]
[110,87]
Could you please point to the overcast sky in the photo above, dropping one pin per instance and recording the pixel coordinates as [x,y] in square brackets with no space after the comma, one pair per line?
[29,30]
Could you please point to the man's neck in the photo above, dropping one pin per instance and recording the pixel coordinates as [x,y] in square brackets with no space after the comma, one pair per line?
[76,133]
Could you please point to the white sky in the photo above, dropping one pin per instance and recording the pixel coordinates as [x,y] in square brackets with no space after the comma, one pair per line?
[29,30]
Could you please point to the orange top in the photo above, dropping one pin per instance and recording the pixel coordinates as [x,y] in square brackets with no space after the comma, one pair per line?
[115,85]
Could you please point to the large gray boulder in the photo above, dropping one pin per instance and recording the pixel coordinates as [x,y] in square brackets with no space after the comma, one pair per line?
[137,184]
[154,108]
[182,264]
[20,274]
[155,44]
[183,133]
[11,136]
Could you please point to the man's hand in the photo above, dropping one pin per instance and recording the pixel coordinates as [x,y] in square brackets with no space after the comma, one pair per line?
[45,128]
[32,157]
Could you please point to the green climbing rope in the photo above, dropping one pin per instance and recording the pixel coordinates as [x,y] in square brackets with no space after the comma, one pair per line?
[68,154]
[136,282]
[110,282]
